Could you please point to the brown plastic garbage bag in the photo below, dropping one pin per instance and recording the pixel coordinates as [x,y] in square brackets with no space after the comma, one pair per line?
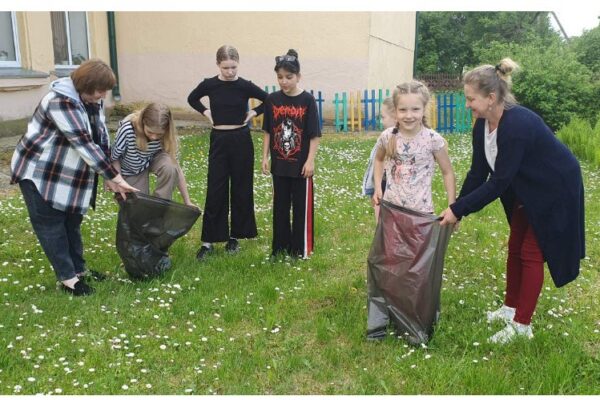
[404,273]
[146,227]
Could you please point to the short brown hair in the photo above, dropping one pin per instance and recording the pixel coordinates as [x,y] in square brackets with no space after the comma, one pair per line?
[93,75]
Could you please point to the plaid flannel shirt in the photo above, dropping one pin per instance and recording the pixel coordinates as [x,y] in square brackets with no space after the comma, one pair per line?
[58,152]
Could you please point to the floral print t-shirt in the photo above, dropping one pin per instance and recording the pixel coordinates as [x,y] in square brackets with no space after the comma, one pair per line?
[410,172]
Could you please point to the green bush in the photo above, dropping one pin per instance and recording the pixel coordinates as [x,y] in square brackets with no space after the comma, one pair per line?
[587,48]
[552,82]
[583,141]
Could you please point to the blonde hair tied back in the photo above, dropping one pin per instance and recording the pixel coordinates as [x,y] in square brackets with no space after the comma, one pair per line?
[497,79]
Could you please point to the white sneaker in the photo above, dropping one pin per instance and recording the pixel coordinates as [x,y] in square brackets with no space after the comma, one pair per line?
[510,332]
[504,313]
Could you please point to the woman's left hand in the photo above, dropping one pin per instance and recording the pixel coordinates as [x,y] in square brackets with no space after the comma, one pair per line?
[448,217]
[249,115]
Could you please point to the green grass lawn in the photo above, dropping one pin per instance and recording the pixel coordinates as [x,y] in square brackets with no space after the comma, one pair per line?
[243,325]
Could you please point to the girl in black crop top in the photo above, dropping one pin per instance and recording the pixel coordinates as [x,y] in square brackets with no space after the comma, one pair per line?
[228,100]
[231,154]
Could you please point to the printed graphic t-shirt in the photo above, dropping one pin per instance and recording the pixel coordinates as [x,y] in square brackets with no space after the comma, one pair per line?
[291,122]
[410,172]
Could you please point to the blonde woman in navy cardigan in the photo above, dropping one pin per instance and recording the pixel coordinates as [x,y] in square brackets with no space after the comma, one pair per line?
[517,158]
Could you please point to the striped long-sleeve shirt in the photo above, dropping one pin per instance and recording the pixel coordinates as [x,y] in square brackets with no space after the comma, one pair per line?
[133,160]
[58,153]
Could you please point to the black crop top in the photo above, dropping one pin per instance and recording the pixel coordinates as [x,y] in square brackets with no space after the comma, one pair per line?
[228,99]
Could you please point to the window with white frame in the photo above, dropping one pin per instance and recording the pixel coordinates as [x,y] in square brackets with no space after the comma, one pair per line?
[9,44]
[70,38]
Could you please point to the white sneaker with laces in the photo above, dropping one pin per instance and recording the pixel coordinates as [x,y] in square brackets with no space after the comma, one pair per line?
[504,313]
[510,332]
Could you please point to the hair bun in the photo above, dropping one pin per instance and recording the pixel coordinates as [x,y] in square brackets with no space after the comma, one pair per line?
[292,52]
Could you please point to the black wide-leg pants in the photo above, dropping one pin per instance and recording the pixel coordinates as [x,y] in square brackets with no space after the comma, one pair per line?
[230,162]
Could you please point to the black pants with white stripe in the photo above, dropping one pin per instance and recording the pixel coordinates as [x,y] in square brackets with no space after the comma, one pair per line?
[230,161]
[296,237]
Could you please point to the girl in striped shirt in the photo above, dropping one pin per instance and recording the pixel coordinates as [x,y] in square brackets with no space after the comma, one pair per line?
[147,142]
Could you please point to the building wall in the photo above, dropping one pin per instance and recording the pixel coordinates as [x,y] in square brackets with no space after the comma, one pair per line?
[162,56]
[20,95]
[338,51]
[391,49]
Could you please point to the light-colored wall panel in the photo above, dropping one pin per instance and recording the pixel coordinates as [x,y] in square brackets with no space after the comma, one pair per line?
[162,56]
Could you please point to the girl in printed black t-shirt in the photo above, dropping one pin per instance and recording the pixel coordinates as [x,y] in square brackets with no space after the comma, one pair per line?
[292,133]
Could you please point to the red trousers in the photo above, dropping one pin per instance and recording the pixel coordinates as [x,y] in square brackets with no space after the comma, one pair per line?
[524,267]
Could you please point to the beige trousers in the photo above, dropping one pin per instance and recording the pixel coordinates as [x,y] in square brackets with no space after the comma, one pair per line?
[165,169]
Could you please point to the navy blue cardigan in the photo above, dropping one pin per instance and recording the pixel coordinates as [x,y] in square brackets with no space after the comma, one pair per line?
[534,167]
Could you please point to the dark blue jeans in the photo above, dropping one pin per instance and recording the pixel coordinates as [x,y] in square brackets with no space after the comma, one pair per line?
[57,231]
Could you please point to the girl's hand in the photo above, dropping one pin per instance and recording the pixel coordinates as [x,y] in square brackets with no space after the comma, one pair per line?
[208,115]
[308,169]
[190,204]
[376,199]
[265,166]
[448,217]
[249,115]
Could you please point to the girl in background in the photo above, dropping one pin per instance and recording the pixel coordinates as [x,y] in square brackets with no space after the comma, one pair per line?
[231,154]
[388,119]
[292,134]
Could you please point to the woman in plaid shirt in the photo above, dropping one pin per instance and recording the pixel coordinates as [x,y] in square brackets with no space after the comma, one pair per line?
[56,165]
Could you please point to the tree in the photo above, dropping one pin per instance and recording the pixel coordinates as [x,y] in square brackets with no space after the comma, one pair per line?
[551,82]
[449,41]
[587,48]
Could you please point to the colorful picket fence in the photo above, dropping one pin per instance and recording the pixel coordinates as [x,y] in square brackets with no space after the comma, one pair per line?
[358,110]
[355,111]
[352,112]
[451,115]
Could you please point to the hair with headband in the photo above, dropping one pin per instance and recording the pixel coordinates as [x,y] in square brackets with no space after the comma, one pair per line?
[288,62]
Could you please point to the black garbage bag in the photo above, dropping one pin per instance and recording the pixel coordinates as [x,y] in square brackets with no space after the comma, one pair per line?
[404,273]
[146,227]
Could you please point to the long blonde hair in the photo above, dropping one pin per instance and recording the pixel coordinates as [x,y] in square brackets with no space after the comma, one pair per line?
[487,79]
[157,118]
[412,87]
